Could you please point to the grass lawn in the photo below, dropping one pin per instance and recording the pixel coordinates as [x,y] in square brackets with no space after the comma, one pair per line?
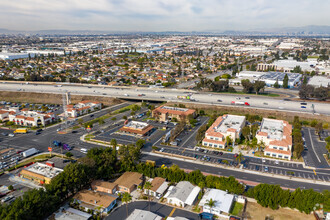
[236,209]
[257,212]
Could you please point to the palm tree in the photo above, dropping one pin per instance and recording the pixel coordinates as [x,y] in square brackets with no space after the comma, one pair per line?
[126,198]
[239,157]
[211,204]
[148,186]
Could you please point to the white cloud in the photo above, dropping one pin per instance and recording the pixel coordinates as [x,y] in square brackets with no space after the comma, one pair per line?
[158,15]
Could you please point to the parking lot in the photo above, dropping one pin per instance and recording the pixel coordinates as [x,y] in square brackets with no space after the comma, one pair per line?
[228,160]
[314,149]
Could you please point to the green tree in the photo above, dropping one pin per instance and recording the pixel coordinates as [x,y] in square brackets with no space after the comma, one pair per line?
[113,143]
[276,85]
[10,187]
[246,132]
[239,157]
[259,85]
[305,81]
[68,154]
[286,81]
[126,199]
[210,203]
[148,186]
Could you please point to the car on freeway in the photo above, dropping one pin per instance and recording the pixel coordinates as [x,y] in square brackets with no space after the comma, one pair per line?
[302,106]
[219,100]
[238,98]
[247,97]
[265,103]
[303,103]
[162,97]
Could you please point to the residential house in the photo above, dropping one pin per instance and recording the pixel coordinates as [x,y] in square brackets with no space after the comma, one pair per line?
[159,186]
[184,193]
[223,201]
[96,201]
[104,186]
[129,181]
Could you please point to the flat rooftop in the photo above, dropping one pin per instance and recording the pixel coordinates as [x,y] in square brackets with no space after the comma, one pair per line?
[44,170]
[230,121]
[174,108]
[137,125]
[319,81]
[279,76]
[274,128]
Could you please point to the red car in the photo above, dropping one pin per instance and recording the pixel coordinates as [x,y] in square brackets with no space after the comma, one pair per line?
[235,155]
[18,152]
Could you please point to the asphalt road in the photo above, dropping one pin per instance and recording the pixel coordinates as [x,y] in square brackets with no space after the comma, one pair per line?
[161,94]
[157,208]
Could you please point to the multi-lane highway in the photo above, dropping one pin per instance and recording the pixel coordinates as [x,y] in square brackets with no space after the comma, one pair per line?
[162,94]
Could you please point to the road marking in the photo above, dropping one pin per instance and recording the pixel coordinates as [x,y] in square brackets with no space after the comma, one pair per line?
[172,212]
[309,131]
[184,150]
[314,172]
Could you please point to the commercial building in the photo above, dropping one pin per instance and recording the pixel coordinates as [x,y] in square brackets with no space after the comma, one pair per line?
[139,214]
[129,181]
[270,78]
[40,173]
[318,81]
[28,118]
[166,113]
[137,128]
[184,193]
[225,126]
[82,108]
[104,186]
[159,186]
[277,137]
[223,201]
[95,201]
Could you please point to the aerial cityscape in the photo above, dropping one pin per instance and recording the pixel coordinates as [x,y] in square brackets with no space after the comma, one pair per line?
[176,110]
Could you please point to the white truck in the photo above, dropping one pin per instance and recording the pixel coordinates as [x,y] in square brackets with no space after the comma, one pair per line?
[29,152]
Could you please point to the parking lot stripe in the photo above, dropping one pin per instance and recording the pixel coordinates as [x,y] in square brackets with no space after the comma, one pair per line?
[172,212]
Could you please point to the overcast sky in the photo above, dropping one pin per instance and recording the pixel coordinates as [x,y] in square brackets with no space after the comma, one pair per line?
[162,15]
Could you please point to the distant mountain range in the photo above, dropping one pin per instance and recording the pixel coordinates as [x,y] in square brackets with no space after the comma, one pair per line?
[312,30]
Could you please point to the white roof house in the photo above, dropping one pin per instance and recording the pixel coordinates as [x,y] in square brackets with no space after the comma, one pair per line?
[184,193]
[223,201]
[139,214]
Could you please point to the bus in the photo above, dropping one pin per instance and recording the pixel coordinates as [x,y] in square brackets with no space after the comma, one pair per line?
[21,131]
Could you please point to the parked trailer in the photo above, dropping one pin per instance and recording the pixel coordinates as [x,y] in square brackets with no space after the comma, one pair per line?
[29,152]
[240,103]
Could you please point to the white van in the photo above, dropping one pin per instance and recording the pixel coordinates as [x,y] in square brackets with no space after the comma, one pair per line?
[83,150]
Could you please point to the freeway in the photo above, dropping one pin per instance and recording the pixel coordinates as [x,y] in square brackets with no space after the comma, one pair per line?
[162,94]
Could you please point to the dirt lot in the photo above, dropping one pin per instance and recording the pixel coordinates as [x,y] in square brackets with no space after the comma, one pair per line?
[256,212]
[263,112]
[32,97]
